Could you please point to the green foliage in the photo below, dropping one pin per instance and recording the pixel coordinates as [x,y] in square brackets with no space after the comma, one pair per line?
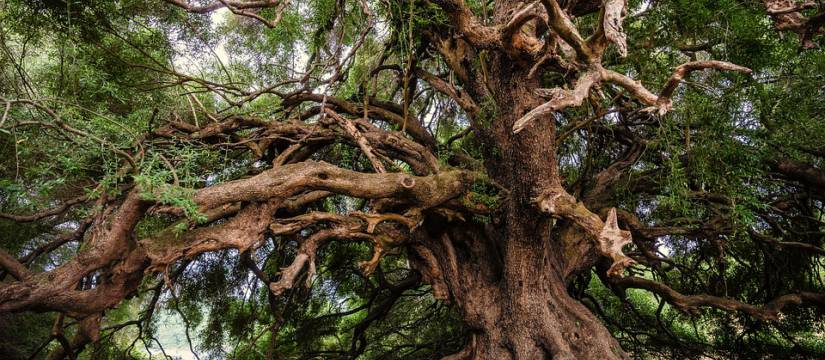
[484,196]
[22,334]
[101,66]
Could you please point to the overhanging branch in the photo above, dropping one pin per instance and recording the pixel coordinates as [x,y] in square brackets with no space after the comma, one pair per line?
[691,303]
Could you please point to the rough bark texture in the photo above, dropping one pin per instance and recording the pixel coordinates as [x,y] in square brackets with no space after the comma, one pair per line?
[531,316]
[508,278]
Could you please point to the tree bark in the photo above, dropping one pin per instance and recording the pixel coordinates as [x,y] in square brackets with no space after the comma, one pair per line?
[512,296]
[508,278]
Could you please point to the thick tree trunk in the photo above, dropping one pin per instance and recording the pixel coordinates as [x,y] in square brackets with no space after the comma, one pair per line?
[508,279]
[513,298]
[540,320]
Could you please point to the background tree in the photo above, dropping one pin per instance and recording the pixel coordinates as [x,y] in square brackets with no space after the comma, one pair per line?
[412,179]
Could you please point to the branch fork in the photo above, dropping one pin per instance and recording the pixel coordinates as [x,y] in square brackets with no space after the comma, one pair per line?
[609,238]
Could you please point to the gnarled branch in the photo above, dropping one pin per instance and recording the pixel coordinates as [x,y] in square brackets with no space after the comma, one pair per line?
[607,235]
[690,303]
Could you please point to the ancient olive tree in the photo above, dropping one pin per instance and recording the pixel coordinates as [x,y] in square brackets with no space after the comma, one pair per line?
[516,179]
